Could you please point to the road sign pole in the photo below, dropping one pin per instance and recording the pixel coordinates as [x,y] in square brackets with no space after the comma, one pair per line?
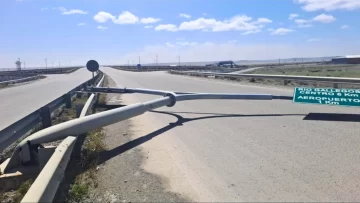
[93,78]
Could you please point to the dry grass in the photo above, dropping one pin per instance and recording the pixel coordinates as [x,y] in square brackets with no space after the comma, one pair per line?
[68,114]
[16,196]
[90,155]
[352,71]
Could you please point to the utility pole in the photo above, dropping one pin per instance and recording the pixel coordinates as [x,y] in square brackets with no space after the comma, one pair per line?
[179,60]
[132,62]
[157,60]
[139,59]
[24,65]
[52,64]
[45,62]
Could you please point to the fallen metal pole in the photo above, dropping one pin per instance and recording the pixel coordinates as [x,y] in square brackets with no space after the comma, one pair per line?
[22,152]
[81,125]
[132,90]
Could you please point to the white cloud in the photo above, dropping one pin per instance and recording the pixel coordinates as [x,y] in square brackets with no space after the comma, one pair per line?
[251,32]
[166,27]
[64,11]
[102,27]
[185,15]
[329,5]
[323,18]
[239,23]
[44,9]
[280,31]
[149,20]
[344,27]
[81,24]
[313,39]
[303,23]
[103,16]
[262,21]
[168,44]
[126,18]
[186,43]
[293,15]
[148,26]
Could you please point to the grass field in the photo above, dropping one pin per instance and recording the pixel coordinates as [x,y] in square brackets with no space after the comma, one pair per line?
[352,71]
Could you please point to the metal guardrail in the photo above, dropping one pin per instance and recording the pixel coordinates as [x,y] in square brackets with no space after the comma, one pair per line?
[7,82]
[81,125]
[46,184]
[22,127]
[333,80]
[37,69]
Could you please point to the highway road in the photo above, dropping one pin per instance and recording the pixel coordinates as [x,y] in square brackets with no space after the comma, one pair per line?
[212,150]
[20,100]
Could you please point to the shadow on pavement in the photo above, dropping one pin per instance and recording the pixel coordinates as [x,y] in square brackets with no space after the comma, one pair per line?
[333,117]
[106,155]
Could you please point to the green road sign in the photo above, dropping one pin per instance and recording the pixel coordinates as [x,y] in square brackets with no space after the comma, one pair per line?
[329,96]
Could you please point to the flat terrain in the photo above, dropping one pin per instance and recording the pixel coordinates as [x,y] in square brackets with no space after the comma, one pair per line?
[20,100]
[352,71]
[212,150]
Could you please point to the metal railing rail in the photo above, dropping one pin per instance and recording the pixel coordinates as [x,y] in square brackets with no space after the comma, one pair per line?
[46,184]
[38,69]
[10,134]
[334,80]
[21,80]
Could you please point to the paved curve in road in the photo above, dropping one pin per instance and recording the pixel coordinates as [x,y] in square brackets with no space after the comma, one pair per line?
[20,100]
[246,150]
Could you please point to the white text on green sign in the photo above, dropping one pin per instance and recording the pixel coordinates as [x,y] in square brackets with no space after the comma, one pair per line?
[343,97]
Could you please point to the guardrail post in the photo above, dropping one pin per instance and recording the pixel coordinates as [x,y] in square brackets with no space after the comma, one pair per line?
[286,82]
[45,115]
[67,99]
[79,108]
[336,85]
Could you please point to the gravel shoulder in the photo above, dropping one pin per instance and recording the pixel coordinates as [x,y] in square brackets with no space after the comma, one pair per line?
[122,176]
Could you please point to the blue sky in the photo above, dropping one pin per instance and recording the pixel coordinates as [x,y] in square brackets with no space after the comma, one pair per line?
[118,31]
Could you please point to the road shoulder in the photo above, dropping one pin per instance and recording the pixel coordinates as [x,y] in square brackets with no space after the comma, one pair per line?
[121,174]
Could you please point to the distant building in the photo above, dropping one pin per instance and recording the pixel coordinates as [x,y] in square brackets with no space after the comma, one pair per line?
[355,59]
[226,64]
[18,64]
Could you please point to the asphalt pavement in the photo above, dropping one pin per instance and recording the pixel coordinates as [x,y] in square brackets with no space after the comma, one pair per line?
[218,150]
[20,100]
